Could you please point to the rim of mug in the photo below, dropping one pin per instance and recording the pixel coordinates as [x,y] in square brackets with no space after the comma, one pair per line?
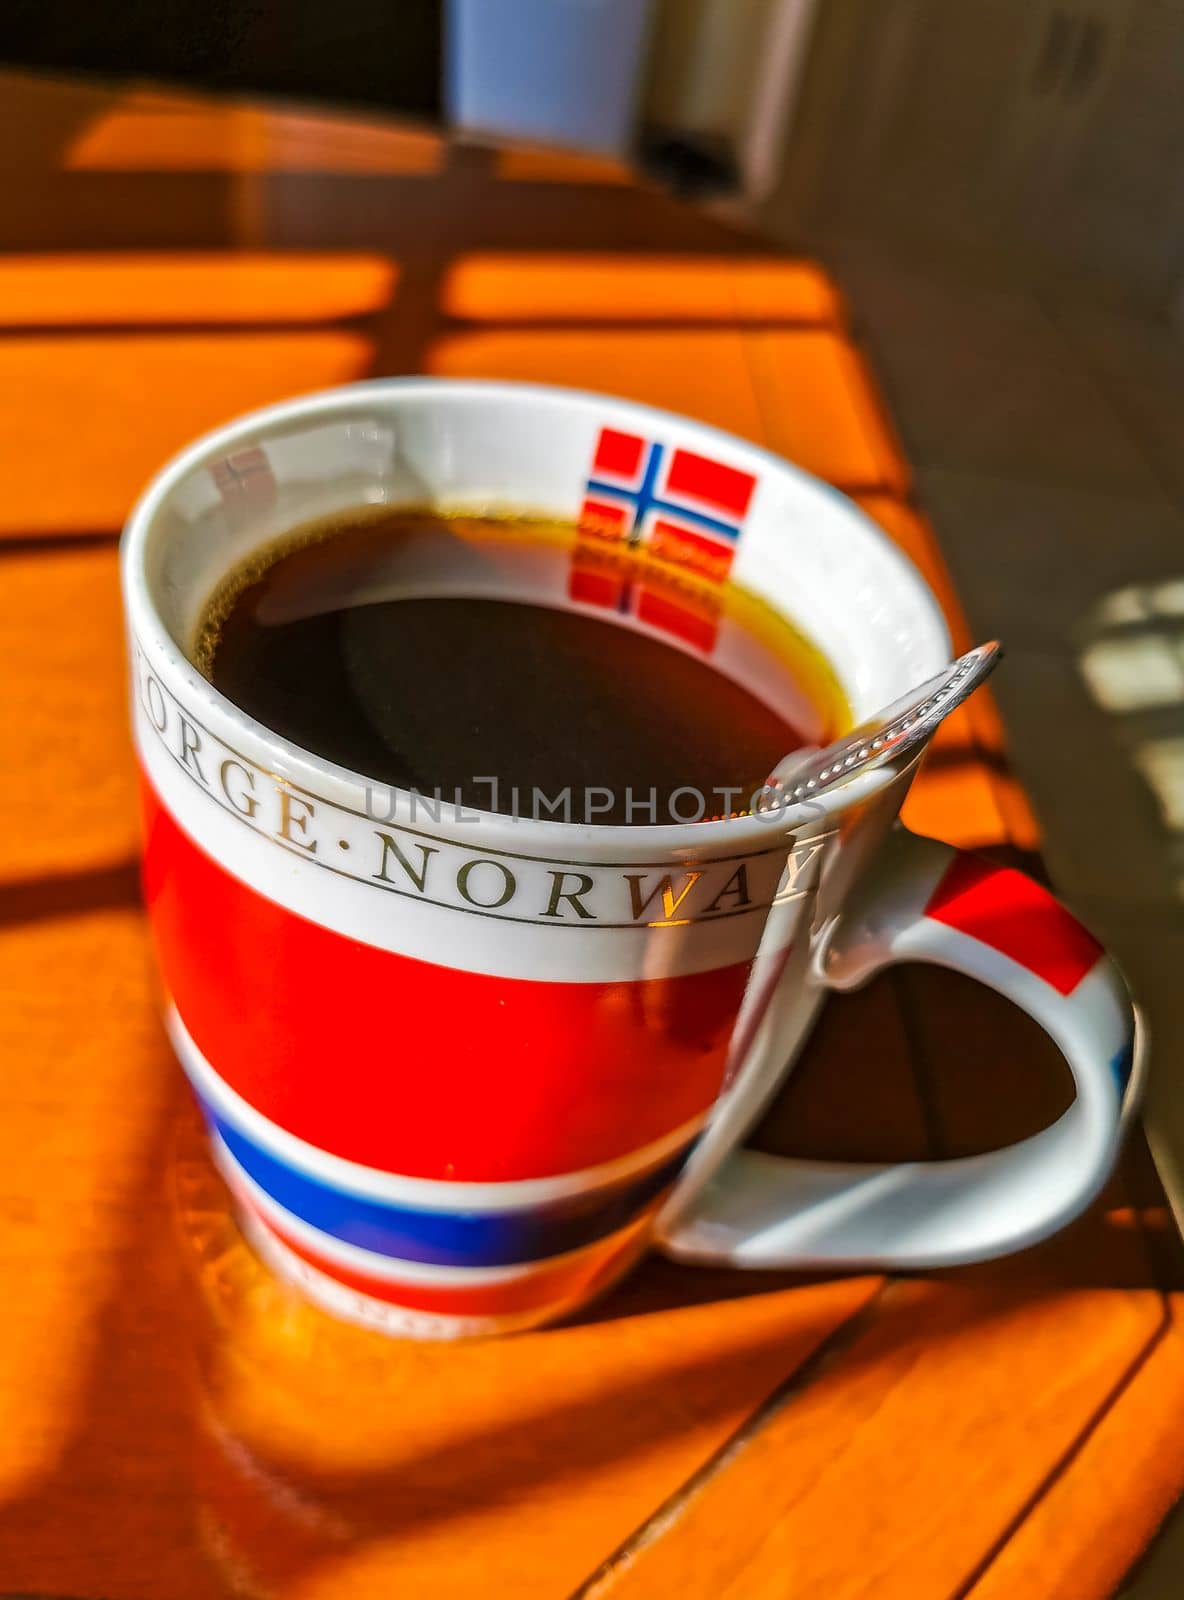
[734,833]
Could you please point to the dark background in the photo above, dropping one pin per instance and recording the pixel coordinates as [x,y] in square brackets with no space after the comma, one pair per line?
[382,53]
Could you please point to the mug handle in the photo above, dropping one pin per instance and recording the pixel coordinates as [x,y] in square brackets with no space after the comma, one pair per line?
[925,901]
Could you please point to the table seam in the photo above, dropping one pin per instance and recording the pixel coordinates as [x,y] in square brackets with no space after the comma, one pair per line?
[668,1512]
[1109,1402]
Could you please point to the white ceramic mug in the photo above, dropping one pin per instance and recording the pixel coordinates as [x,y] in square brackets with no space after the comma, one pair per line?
[461,1068]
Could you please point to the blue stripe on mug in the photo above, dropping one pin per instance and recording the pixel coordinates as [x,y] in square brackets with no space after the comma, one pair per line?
[1121,1064]
[455,1239]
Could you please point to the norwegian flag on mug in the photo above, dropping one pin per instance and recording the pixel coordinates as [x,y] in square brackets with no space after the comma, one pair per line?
[685,507]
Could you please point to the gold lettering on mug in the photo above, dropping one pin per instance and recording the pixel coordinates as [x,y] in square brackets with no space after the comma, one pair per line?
[391,847]
[735,891]
[159,718]
[665,888]
[583,885]
[290,819]
[483,884]
[244,801]
[508,886]
[190,745]
[797,864]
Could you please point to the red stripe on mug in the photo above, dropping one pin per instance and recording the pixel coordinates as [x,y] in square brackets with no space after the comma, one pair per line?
[1008,911]
[418,1069]
[549,1286]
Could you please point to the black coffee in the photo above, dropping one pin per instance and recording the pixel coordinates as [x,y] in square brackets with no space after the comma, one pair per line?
[445,692]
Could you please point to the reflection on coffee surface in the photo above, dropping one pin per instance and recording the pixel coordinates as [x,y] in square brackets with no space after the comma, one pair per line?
[511,664]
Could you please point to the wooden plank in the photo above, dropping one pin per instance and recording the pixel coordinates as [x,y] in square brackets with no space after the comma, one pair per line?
[86,420]
[798,392]
[474,208]
[63,702]
[46,206]
[539,164]
[337,1463]
[893,1472]
[149,130]
[1021,822]
[93,1381]
[822,410]
[1099,1514]
[130,288]
[966,793]
[702,372]
[554,286]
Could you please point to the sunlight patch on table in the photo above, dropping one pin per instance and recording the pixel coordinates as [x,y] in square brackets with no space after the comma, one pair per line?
[1134,672]
[86,1073]
[86,420]
[185,287]
[146,131]
[604,286]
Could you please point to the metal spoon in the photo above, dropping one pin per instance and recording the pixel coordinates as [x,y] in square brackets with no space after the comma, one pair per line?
[892,732]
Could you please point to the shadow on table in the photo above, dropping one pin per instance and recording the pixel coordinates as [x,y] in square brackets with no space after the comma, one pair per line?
[259,1445]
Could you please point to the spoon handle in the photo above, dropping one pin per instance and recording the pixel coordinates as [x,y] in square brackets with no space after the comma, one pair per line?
[891,733]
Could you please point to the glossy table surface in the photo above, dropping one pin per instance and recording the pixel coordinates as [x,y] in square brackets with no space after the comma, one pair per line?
[178,1425]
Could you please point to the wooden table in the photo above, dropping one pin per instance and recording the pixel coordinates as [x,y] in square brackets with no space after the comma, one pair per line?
[177,1425]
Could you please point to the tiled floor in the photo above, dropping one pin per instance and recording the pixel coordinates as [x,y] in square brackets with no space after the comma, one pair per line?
[1045,430]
